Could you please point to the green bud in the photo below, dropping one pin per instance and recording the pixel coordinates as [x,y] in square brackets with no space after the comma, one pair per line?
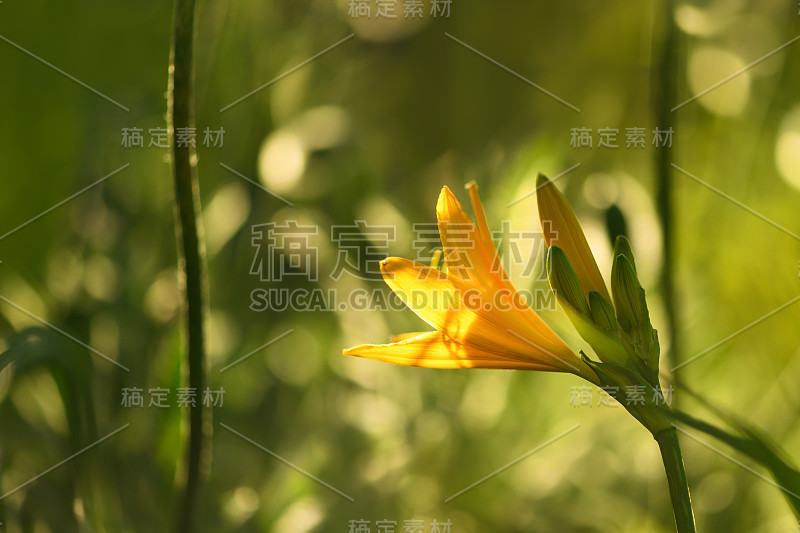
[628,295]
[569,292]
[622,246]
[607,345]
[653,353]
[602,312]
[564,281]
[633,317]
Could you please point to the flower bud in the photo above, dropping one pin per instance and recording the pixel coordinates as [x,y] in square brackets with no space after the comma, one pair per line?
[603,338]
[628,295]
[560,227]
[633,316]
[622,246]
[602,312]
[564,281]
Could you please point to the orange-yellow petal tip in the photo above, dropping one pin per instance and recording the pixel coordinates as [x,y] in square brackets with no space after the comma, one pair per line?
[449,209]
[390,264]
[388,267]
[541,180]
[359,351]
[447,200]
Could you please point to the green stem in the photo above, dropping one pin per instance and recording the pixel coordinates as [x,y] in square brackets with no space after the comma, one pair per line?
[663,84]
[676,477]
[192,258]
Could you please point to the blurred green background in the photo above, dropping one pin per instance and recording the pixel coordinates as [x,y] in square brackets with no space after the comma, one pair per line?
[371,130]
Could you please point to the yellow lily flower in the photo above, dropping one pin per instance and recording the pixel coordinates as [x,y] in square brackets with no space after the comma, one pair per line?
[480,319]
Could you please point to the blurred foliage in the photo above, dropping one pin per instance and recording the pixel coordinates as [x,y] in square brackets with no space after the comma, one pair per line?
[371,131]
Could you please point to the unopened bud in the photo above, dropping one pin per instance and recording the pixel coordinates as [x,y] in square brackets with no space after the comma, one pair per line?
[602,312]
[564,281]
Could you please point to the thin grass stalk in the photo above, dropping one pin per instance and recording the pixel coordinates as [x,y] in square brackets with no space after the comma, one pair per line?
[196,426]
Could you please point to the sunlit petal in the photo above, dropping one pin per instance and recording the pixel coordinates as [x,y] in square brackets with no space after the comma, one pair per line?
[435,350]
[462,312]
[469,255]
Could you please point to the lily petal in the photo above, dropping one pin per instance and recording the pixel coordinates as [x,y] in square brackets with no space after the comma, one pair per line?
[436,350]
[464,313]
[405,336]
[488,268]
[469,253]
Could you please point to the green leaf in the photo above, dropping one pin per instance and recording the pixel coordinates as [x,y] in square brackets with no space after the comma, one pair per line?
[753,443]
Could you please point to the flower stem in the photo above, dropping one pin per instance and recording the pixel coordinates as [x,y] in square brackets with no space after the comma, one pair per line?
[663,83]
[676,477]
[191,254]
